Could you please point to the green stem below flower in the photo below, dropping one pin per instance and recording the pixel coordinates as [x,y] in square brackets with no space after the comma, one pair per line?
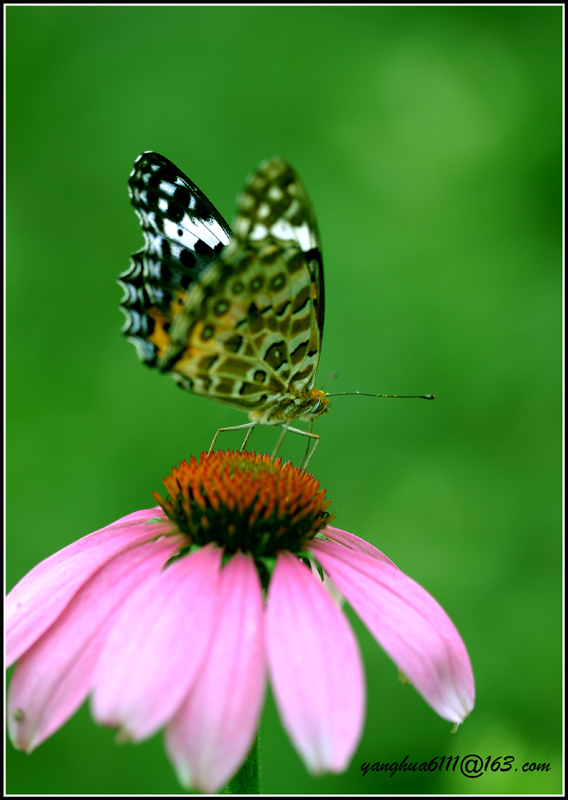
[246,780]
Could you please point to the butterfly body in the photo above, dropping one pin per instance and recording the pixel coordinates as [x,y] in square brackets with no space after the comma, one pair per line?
[235,317]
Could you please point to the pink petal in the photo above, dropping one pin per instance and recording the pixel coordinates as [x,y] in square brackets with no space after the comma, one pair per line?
[55,675]
[157,645]
[409,624]
[353,542]
[38,599]
[212,732]
[315,667]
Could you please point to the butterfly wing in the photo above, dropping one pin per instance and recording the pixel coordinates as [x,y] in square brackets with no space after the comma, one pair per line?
[250,331]
[183,234]
[275,205]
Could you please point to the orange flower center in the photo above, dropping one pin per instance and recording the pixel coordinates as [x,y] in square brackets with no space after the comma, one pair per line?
[245,501]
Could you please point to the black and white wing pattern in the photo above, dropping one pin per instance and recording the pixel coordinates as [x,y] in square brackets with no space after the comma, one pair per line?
[183,234]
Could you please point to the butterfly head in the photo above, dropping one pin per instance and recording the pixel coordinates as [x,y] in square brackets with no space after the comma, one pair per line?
[305,405]
[319,404]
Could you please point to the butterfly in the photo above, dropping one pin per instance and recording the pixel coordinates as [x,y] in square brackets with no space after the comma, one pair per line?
[234,316]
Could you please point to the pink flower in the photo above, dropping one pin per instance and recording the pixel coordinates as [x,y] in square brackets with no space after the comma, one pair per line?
[172,617]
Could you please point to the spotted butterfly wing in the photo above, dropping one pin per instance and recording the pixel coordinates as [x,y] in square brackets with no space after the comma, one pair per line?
[183,234]
[238,320]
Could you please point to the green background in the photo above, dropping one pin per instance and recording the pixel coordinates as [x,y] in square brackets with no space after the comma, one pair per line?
[429,140]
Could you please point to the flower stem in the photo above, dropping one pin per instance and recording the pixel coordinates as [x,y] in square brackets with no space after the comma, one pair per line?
[246,780]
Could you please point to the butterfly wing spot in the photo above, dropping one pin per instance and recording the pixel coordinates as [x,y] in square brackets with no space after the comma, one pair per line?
[206,332]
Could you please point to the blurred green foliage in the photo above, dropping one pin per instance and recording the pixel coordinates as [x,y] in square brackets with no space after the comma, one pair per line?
[430,142]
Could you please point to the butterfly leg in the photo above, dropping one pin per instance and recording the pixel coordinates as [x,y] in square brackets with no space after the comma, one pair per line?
[304,462]
[305,459]
[247,437]
[314,436]
[285,429]
[249,425]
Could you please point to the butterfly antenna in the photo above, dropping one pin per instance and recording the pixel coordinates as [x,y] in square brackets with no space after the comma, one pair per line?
[397,396]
